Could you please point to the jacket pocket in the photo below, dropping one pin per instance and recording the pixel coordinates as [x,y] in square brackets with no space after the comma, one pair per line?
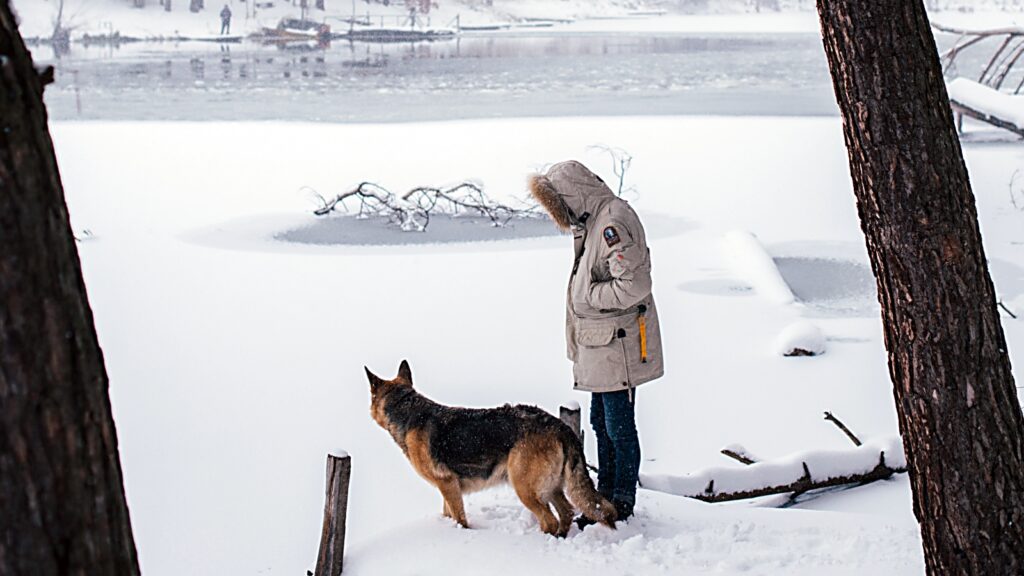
[601,359]
[595,336]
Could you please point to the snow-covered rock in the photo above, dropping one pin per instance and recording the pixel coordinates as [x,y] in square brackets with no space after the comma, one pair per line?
[801,338]
[751,261]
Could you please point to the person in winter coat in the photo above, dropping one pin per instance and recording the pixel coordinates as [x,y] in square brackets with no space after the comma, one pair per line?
[612,331]
[225,20]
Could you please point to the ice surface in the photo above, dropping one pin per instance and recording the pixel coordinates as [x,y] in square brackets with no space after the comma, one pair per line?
[540,74]
[830,286]
[442,229]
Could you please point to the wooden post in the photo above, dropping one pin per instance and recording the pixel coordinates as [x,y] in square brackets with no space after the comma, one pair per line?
[332,538]
[571,415]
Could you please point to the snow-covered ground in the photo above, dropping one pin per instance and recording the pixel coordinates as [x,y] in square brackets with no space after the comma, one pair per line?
[236,360]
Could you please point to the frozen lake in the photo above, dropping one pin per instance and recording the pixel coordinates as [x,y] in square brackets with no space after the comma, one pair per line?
[481,76]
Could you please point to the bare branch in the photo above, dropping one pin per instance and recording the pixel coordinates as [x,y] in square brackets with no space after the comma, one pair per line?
[739,456]
[995,57]
[1003,59]
[853,438]
[621,161]
[1014,190]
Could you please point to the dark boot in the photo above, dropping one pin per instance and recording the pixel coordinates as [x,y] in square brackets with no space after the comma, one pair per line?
[623,509]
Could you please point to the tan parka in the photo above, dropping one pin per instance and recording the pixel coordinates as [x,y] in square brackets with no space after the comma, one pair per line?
[612,331]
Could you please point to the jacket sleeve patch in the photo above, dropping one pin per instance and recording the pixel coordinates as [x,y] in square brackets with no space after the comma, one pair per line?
[611,236]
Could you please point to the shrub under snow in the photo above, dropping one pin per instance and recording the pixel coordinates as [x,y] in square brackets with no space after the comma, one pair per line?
[800,339]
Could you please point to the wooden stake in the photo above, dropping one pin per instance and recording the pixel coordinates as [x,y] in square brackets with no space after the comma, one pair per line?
[332,538]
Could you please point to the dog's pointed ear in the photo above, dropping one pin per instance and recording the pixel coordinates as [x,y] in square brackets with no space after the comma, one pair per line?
[405,373]
[374,380]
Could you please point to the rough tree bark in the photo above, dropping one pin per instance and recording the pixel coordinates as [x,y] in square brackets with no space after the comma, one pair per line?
[62,503]
[957,404]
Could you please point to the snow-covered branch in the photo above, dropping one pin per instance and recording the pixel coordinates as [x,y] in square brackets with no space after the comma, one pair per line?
[797,473]
[412,210]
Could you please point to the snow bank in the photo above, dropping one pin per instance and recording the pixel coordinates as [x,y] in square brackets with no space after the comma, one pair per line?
[800,339]
[822,464]
[668,535]
[752,262]
[987,100]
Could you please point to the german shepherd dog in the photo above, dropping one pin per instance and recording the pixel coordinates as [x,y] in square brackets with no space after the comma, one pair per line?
[462,450]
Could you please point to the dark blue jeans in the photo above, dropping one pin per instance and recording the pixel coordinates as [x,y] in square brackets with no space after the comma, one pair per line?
[618,448]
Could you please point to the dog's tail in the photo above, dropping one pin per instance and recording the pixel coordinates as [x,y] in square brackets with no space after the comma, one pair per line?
[579,486]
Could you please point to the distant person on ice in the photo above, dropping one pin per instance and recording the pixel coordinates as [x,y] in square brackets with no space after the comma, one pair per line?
[612,333]
[225,20]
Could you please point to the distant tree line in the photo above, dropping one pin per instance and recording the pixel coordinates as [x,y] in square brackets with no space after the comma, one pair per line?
[422,6]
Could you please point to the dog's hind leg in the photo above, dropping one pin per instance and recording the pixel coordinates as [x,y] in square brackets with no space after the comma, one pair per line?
[564,509]
[548,523]
[528,474]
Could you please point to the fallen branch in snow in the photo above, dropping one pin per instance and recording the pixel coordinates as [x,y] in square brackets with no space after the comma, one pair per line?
[985,103]
[796,475]
[853,438]
[412,210]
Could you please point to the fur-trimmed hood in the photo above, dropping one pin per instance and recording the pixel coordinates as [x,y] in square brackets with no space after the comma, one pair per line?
[569,190]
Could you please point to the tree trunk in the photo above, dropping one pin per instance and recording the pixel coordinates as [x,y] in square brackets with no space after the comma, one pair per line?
[957,404]
[62,503]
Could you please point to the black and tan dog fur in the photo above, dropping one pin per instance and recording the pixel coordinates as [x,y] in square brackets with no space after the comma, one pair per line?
[462,450]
